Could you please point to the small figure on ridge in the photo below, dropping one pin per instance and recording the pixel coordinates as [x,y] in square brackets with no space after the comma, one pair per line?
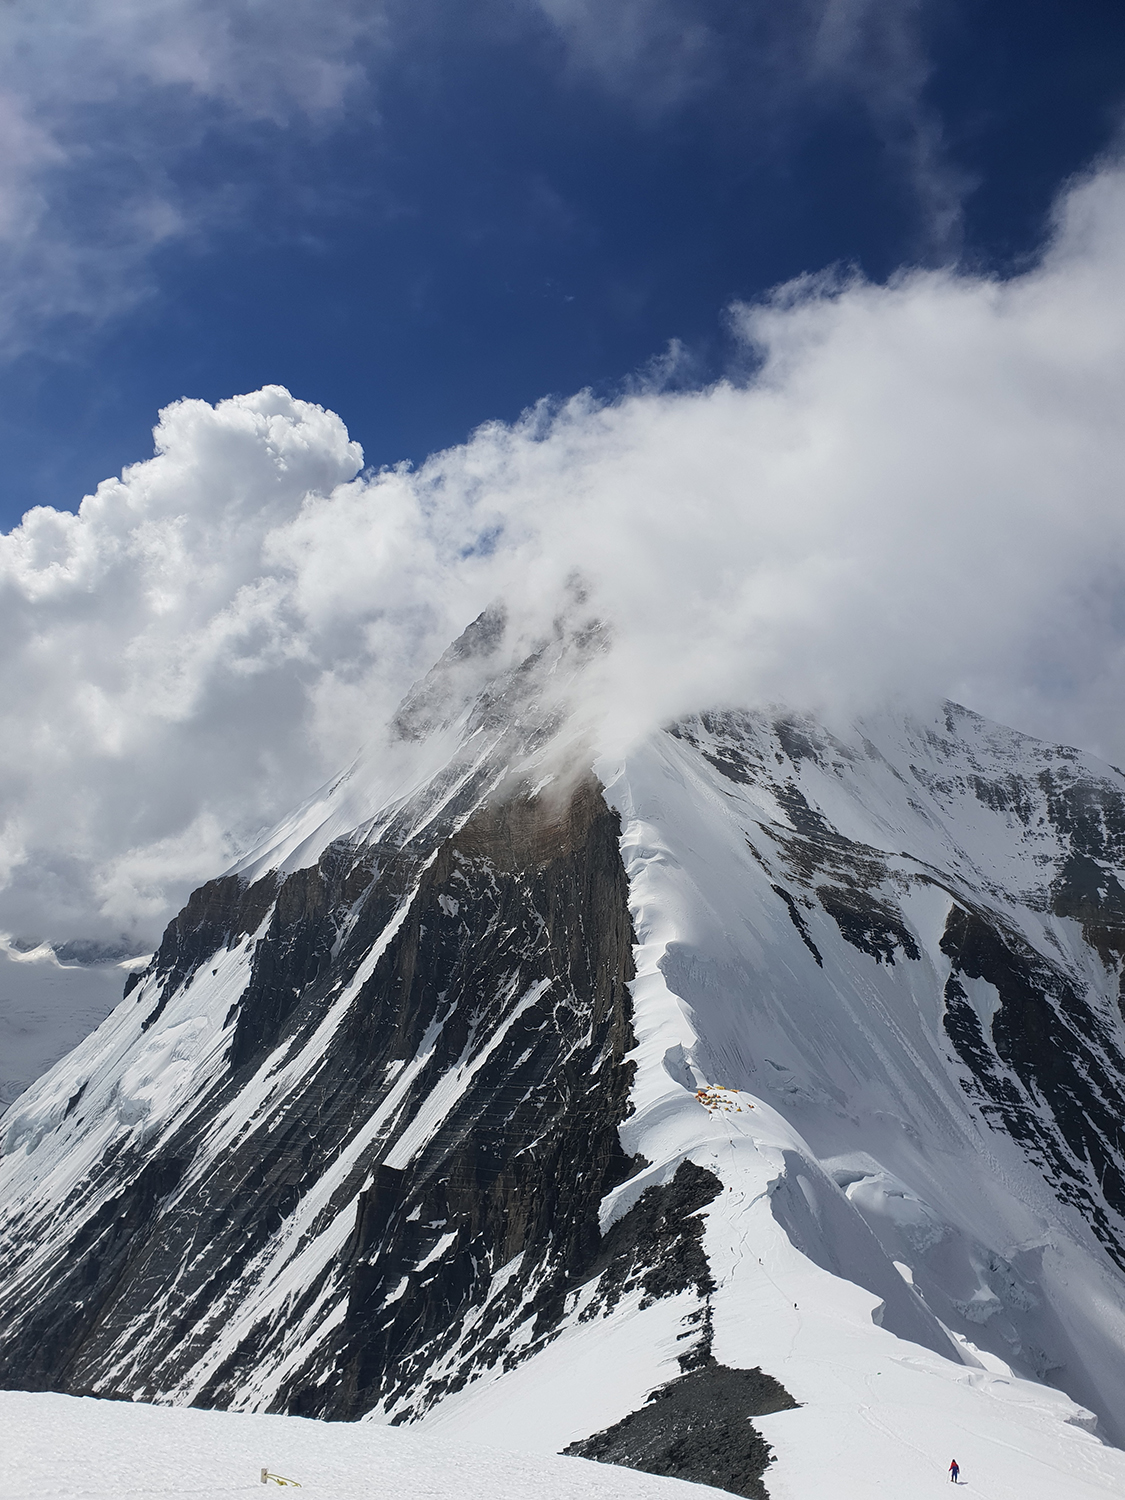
[954,1470]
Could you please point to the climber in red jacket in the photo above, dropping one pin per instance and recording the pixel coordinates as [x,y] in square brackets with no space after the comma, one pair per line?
[954,1470]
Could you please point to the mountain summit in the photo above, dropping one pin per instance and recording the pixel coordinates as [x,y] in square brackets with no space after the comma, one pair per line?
[767,1073]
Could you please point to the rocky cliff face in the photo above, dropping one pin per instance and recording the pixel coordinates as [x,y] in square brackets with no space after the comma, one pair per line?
[460,1116]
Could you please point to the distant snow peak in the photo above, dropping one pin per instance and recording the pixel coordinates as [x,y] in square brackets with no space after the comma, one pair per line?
[51,996]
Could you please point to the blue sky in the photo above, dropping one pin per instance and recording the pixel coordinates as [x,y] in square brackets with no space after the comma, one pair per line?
[424,216]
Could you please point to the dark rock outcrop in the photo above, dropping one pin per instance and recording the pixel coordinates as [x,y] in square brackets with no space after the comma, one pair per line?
[698,1427]
[1047,1068]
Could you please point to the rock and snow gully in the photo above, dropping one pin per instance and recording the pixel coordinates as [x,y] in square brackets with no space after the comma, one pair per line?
[779,1072]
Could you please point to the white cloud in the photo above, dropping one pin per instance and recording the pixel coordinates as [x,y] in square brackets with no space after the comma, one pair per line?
[922,491]
[153,686]
[99,101]
[777,65]
[265,61]
[874,49]
[108,108]
[658,53]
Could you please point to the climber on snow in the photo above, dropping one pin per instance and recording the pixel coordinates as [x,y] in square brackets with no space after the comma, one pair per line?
[954,1470]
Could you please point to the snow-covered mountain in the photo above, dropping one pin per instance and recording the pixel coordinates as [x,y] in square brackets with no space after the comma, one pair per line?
[778,1070]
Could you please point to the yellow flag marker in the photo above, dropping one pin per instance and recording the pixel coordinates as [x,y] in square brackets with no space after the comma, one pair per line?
[279,1479]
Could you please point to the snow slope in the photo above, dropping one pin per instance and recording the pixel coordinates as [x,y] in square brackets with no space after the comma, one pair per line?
[68,1448]
[852,1051]
[879,1416]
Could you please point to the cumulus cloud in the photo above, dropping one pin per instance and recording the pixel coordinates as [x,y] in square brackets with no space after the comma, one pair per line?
[919,492]
[156,667]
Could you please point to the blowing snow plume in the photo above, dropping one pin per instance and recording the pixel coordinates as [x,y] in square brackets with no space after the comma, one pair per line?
[917,492]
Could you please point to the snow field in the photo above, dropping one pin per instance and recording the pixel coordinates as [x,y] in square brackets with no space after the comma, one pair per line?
[76,1448]
[861,1097]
